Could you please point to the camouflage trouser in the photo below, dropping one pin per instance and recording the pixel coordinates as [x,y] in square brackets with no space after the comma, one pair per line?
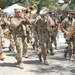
[28,37]
[74,42]
[53,37]
[0,44]
[70,45]
[19,48]
[43,45]
[12,43]
[24,41]
[36,42]
[49,43]
[43,50]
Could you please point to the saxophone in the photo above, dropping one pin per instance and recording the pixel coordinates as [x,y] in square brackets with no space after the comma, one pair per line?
[71,29]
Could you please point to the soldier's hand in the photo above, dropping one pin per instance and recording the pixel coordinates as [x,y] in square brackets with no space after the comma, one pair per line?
[67,32]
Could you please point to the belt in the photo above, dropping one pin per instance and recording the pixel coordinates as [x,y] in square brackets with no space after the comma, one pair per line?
[21,36]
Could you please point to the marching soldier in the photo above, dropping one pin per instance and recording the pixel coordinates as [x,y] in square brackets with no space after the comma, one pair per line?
[63,15]
[51,28]
[11,36]
[18,33]
[1,52]
[43,35]
[55,31]
[35,44]
[24,40]
[65,27]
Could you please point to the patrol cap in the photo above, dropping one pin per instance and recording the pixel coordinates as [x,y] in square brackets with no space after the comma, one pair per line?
[71,12]
[11,16]
[17,10]
[23,9]
[44,11]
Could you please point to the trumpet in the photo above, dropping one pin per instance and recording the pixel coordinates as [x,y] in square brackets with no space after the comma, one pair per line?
[31,8]
[27,11]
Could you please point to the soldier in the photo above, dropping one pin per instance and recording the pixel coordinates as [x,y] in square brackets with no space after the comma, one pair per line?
[18,32]
[1,52]
[66,24]
[51,28]
[63,15]
[35,44]
[43,35]
[55,19]
[24,40]
[11,36]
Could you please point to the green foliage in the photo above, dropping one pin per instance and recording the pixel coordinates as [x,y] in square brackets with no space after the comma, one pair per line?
[4,3]
[51,4]
[72,4]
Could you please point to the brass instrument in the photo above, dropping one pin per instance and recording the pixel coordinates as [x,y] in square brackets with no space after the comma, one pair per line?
[31,8]
[71,29]
[27,11]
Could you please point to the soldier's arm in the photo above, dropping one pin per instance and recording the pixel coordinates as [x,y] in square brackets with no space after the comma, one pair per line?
[13,21]
[63,25]
[6,22]
[26,20]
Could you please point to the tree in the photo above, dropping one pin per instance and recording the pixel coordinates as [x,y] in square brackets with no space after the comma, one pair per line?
[5,3]
[72,4]
[51,4]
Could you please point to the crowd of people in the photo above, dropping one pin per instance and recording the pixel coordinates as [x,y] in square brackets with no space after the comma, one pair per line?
[44,27]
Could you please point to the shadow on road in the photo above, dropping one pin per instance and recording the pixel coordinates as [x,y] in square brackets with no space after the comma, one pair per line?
[8,64]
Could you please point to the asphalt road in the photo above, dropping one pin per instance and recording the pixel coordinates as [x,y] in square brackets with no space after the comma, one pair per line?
[58,65]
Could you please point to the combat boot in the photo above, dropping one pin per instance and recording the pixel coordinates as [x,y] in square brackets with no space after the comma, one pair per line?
[21,65]
[70,57]
[39,55]
[65,53]
[74,52]
[45,61]
[47,51]
[51,52]
[33,45]
[26,55]
[56,48]
[2,56]
[36,49]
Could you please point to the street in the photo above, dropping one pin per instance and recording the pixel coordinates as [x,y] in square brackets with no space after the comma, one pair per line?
[58,65]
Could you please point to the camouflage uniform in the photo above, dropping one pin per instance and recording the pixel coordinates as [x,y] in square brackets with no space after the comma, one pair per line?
[24,40]
[28,32]
[17,24]
[18,38]
[12,43]
[1,52]
[43,36]
[11,35]
[0,39]
[66,23]
[36,37]
[55,19]
[51,27]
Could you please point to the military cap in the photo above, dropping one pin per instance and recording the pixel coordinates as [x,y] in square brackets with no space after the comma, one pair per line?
[44,11]
[17,10]
[11,16]
[71,12]
[23,9]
